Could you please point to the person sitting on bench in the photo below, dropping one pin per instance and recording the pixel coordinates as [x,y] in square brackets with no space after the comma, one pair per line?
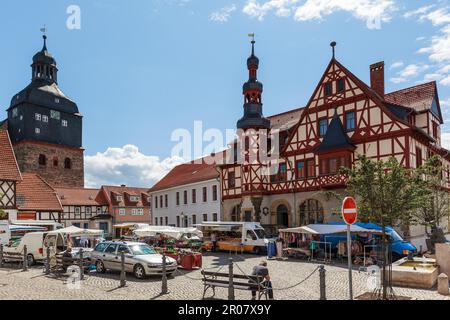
[262,271]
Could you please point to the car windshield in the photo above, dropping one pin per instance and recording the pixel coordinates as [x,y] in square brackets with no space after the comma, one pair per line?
[260,233]
[142,249]
[395,236]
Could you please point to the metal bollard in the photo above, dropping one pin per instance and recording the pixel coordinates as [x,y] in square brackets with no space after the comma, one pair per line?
[230,280]
[80,264]
[25,259]
[1,255]
[322,283]
[164,289]
[123,279]
[47,262]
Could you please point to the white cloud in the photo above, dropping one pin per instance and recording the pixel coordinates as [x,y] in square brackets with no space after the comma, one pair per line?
[409,72]
[445,140]
[126,165]
[223,14]
[397,64]
[420,11]
[372,11]
[445,103]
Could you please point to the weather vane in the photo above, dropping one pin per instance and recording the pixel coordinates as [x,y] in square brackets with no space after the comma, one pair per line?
[252,36]
[44,30]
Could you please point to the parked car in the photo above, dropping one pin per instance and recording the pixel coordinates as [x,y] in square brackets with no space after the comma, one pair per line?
[35,246]
[140,259]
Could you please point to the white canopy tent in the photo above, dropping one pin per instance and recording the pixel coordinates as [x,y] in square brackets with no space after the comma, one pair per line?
[172,232]
[77,232]
[321,229]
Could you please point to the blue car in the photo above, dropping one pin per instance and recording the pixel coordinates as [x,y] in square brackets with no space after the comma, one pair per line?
[400,247]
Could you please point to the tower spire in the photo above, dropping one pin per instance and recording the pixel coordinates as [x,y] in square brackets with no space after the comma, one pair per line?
[333,46]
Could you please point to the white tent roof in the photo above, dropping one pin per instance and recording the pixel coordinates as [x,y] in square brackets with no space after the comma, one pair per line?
[14,227]
[326,229]
[172,232]
[75,231]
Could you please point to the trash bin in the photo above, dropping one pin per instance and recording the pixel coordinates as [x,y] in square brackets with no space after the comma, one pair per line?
[187,261]
[271,249]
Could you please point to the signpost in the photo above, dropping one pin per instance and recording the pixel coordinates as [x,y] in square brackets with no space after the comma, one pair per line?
[349,214]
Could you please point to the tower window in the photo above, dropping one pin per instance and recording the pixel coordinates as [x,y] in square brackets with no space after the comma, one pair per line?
[15,113]
[55,114]
[55,161]
[37,116]
[56,100]
[64,123]
[37,130]
[42,160]
[44,118]
[67,163]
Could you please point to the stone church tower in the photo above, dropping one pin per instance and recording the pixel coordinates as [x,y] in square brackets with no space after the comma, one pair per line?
[45,127]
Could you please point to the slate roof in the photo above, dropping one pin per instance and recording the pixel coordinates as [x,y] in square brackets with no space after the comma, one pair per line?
[9,170]
[335,138]
[35,194]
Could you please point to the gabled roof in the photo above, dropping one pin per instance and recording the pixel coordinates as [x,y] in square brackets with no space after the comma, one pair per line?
[187,173]
[335,138]
[81,197]
[422,97]
[35,194]
[111,191]
[9,170]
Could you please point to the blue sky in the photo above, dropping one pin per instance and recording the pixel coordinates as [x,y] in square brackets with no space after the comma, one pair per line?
[143,68]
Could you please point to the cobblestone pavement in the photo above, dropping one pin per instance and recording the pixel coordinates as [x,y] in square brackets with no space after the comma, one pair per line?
[33,284]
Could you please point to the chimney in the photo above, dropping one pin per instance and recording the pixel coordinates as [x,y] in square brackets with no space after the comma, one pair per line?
[377,78]
[123,185]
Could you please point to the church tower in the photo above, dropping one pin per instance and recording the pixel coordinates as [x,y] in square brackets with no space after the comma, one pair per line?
[45,126]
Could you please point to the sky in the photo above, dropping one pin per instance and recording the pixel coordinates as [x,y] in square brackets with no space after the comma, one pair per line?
[141,69]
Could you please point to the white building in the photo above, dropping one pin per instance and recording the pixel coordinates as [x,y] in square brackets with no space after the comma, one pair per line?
[187,195]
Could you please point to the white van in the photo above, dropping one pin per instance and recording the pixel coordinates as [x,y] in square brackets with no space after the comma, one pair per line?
[235,236]
[35,247]
[5,233]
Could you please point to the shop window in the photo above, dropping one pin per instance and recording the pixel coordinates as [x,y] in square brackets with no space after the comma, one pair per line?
[311,212]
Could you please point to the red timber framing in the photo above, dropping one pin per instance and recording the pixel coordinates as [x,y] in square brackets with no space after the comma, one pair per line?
[379,134]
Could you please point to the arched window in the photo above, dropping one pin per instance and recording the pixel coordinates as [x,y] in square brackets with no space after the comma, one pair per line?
[282,216]
[311,211]
[42,160]
[55,161]
[67,163]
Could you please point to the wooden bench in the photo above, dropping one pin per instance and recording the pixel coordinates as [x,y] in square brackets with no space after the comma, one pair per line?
[240,282]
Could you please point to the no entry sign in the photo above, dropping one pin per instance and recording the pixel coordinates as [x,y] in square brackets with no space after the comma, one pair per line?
[349,210]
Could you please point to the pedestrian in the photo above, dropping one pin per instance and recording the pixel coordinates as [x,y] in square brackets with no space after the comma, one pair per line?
[214,241]
[261,270]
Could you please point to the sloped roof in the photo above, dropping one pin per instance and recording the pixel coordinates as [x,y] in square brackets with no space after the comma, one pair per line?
[285,120]
[81,196]
[35,194]
[335,138]
[125,192]
[9,170]
[187,173]
[420,98]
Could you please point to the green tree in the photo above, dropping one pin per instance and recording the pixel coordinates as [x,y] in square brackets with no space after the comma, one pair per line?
[436,206]
[387,194]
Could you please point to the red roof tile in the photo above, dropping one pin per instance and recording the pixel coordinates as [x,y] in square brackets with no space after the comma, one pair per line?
[419,98]
[187,173]
[35,194]
[125,192]
[9,170]
[81,196]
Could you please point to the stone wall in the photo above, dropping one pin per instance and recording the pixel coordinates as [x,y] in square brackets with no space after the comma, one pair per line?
[27,155]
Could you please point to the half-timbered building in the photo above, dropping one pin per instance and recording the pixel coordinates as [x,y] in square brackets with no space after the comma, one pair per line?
[9,177]
[344,118]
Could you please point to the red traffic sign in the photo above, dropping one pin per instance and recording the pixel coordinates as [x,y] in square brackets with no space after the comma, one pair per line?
[349,210]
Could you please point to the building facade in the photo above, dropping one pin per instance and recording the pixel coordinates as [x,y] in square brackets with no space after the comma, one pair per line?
[45,127]
[344,118]
[85,208]
[189,194]
[128,204]
[9,178]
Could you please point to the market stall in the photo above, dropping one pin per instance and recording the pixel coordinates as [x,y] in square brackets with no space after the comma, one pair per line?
[181,244]
[317,240]
[125,230]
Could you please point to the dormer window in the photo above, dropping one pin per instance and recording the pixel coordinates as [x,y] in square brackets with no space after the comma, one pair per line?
[119,198]
[134,198]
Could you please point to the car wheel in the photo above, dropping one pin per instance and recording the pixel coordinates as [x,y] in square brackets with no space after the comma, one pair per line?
[139,271]
[30,260]
[100,267]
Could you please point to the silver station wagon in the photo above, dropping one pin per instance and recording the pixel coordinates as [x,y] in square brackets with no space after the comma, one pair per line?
[140,258]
